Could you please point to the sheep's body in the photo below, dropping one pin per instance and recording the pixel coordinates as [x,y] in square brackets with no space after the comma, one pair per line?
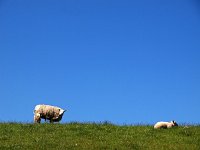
[165,125]
[48,112]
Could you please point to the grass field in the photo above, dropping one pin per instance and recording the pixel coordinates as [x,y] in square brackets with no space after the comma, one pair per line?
[97,136]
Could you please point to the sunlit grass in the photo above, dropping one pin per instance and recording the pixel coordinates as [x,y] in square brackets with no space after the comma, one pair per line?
[96,136]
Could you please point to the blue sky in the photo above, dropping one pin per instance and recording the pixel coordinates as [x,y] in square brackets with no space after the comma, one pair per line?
[123,61]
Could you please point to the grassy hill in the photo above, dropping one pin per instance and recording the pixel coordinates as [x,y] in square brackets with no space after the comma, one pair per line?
[97,136]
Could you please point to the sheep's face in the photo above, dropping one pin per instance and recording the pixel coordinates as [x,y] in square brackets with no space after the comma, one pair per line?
[59,117]
[37,118]
[174,123]
[61,112]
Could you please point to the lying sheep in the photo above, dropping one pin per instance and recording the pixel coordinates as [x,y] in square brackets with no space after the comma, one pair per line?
[165,125]
[48,112]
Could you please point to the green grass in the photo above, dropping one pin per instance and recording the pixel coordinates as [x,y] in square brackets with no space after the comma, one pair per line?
[94,136]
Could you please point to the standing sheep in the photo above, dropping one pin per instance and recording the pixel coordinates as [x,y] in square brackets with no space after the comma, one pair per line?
[48,112]
[165,125]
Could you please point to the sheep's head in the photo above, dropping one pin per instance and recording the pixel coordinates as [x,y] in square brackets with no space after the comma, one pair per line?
[174,124]
[37,118]
[61,111]
[58,117]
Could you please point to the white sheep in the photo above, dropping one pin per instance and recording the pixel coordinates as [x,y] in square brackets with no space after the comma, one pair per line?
[48,112]
[165,125]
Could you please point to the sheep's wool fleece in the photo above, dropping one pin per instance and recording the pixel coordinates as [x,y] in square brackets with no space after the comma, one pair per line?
[48,111]
[163,125]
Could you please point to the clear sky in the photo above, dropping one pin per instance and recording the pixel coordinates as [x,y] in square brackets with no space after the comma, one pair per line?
[122,61]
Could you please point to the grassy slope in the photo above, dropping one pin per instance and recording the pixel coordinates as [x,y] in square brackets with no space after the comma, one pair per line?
[96,136]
